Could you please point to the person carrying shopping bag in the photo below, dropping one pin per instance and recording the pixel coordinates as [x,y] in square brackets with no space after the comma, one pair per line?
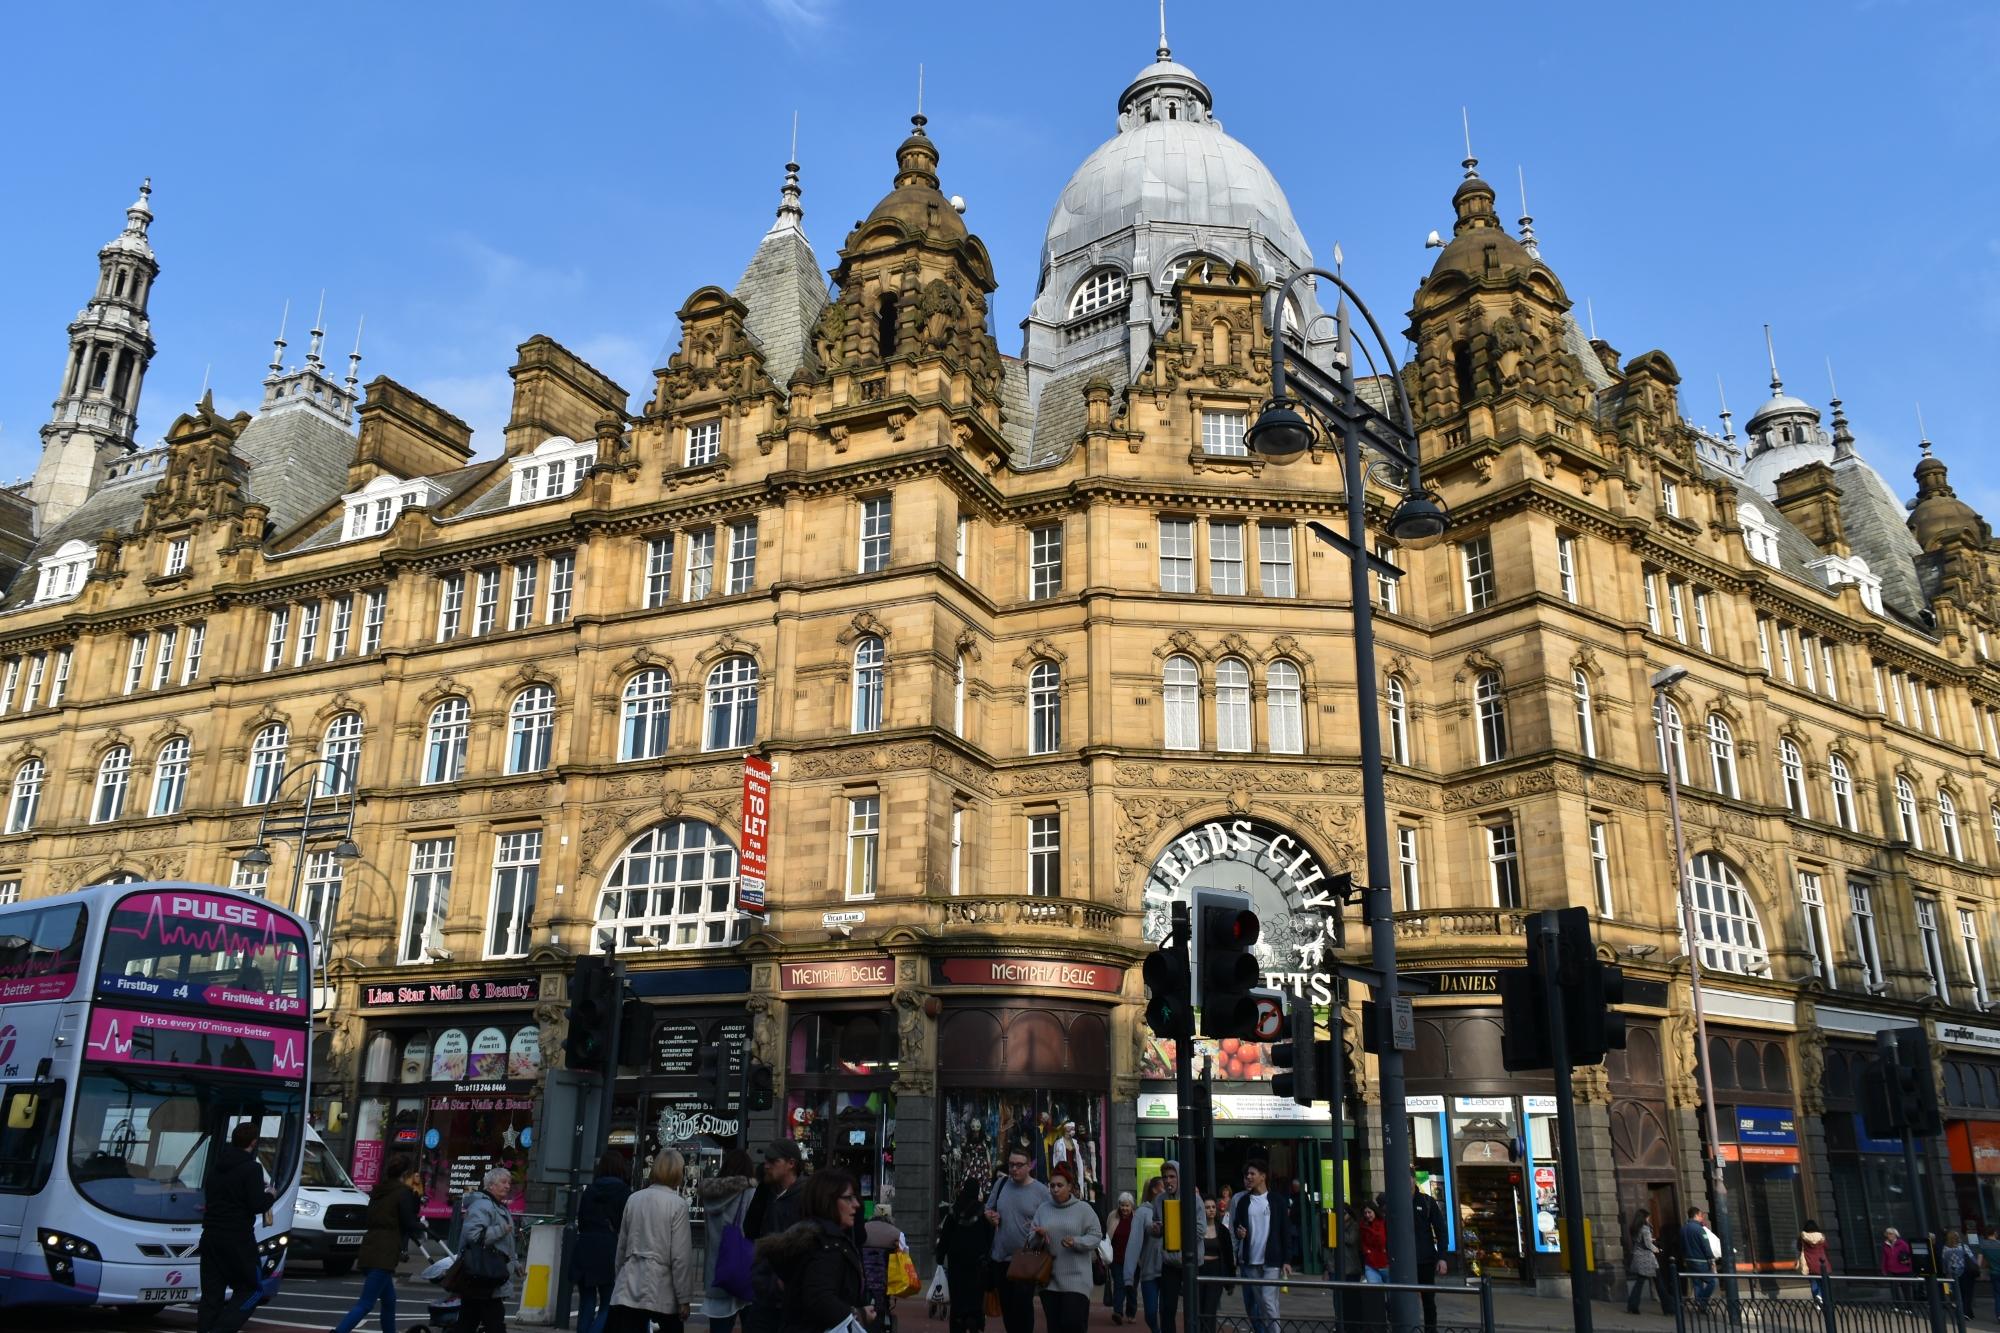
[393,1223]
[487,1226]
[726,1250]
[657,1280]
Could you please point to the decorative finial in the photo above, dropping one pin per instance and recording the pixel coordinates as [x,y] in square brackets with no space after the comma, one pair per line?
[1338,258]
[793,156]
[1163,53]
[204,378]
[1829,380]
[1527,222]
[789,211]
[920,87]
[318,333]
[1777,385]
[1923,436]
[1728,428]
[1843,438]
[1590,313]
[278,343]
[354,357]
[1471,163]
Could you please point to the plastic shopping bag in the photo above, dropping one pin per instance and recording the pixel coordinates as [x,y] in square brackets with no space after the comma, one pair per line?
[940,1289]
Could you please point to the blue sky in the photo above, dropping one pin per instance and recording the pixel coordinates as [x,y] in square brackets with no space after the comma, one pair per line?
[468,175]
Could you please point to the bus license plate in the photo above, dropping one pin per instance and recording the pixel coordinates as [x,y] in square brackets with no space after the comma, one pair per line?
[348,1238]
[165,1295]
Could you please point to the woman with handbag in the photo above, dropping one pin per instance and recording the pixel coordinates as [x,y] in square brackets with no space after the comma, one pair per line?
[964,1240]
[1813,1261]
[486,1255]
[1068,1230]
[392,1223]
[594,1262]
[817,1261]
[656,1272]
[725,1263]
[1644,1265]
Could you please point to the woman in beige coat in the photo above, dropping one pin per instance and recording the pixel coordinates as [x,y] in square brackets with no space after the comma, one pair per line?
[658,1280]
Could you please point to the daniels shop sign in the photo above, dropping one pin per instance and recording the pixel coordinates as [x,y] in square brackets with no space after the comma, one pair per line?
[1290,889]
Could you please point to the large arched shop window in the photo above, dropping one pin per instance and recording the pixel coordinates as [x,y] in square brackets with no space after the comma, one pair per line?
[676,885]
[1732,939]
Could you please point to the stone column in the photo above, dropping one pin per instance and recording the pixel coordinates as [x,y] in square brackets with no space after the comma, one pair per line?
[916,1172]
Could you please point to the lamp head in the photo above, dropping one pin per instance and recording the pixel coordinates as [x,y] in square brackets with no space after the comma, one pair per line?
[256,856]
[1668,677]
[1279,431]
[1419,521]
[346,850]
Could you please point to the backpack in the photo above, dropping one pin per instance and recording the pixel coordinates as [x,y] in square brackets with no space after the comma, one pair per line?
[734,1256]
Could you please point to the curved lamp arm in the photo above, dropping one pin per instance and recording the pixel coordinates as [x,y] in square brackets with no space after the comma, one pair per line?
[1395,375]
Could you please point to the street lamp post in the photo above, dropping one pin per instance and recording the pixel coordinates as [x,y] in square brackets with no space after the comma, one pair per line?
[1419,521]
[1663,680]
[308,826]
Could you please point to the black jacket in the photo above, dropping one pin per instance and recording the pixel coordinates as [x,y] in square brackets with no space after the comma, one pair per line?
[821,1272]
[236,1196]
[393,1222]
[598,1213]
[1433,1237]
[771,1215]
[1278,1245]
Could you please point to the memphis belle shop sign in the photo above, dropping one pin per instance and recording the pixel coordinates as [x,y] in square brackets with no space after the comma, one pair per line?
[1290,889]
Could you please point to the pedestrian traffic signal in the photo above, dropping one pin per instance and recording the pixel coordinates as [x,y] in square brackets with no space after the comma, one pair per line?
[761,1095]
[593,995]
[1298,1059]
[1169,1001]
[1227,930]
[1899,1087]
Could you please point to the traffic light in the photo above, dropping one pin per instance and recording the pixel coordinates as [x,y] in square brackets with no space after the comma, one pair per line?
[635,1030]
[1227,930]
[1899,1087]
[1298,1058]
[593,992]
[761,1095]
[1169,1004]
[712,1076]
[1595,1025]
[1590,990]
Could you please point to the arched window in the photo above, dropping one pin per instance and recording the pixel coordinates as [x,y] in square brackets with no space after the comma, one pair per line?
[1841,781]
[25,801]
[1948,825]
[1232,705]
[1100,290]
[1993,813]
[1668,738]
[1180,688]
[170,776]
[868,684]
[1726,921]
[114,775]
[444,748]
[1722,755]
[642,732]
[1044,708]
[1906,813]
[267,763]
[531,729]
[1792,774]
[1284,708]
[1491,706]
[1397,699]
[676,886]
[340,755]
[1586,724]
[731,704]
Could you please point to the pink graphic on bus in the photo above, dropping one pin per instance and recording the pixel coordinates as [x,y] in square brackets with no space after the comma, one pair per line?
[204,923]
[131,1036]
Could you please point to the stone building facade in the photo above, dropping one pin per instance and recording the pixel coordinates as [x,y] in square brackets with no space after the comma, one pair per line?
[1034,646]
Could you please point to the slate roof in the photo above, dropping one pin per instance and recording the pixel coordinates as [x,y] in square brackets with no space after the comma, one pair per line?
[785,292]
[297,458]
[1061,413]
[1878,532]
[1017,416]
[116,506]
[455,484]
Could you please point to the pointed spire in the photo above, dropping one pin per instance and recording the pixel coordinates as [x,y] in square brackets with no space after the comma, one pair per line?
[790,215]
[278,343]
[354,357]
[1923,436]
[1471,163]
[205,372]
[1728,429]
[318,334]
[1843,438]
[1590,313]
[1527,222]
[1777,385]
[1164,52]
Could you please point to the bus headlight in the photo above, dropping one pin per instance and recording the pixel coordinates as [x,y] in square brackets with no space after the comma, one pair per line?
[271,1253]
[306,1208]
[60,1251]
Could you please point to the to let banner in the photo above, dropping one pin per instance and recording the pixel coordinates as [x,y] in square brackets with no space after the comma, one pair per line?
[751,858]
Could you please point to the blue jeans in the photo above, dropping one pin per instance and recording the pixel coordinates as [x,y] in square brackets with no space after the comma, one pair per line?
[1124,1297]
[1261,1303]
[1704,1284]
[593,1304]
[378,1287]
[1149,1291]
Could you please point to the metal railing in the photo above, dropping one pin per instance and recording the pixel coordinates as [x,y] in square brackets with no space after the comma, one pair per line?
[1311,1306]
[1792,1303]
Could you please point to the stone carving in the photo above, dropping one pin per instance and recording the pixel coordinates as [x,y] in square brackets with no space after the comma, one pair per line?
[1677,1045]
[1810,1044]
[434,807]
[1492,791]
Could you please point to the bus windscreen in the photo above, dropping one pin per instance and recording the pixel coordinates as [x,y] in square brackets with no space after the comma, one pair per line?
[188,947]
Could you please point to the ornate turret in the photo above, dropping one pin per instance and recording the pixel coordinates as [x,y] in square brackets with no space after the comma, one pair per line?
[1938,515]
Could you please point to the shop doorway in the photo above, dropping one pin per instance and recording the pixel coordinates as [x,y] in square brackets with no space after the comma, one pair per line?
[1491,1218]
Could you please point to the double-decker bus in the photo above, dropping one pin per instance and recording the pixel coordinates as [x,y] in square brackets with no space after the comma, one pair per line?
[141,1023]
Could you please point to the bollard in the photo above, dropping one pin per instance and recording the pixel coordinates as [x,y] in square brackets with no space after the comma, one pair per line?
[538,1282]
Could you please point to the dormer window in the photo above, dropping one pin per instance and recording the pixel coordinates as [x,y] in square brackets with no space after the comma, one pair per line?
[1758,536]
[60,576]
[553,470]
[1100,290]
[372,510]
[704,443]
[1670,497]
[1838,570]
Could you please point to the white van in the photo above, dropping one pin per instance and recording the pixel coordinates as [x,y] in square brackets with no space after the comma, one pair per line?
[331,1214]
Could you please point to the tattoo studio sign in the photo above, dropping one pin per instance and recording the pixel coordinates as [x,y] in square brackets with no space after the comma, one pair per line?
[1290,889]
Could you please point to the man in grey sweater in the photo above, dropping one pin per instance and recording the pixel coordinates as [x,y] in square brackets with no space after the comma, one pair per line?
[1011,1209]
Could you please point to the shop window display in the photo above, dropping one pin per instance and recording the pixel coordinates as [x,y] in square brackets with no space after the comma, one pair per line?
[981,1127]
[852,1130]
